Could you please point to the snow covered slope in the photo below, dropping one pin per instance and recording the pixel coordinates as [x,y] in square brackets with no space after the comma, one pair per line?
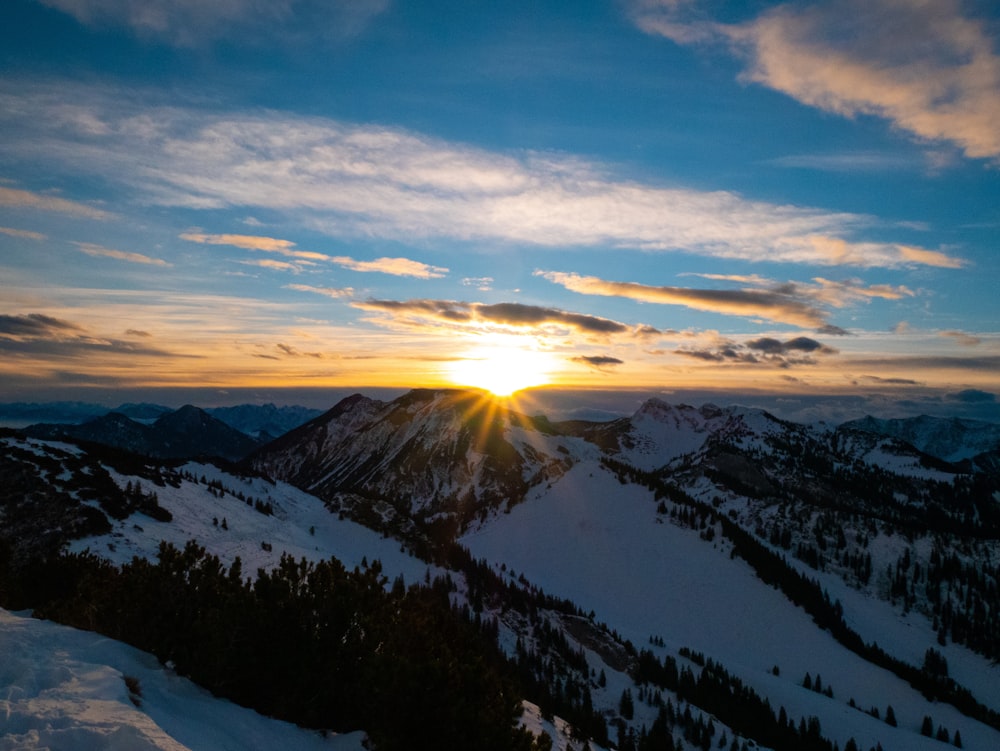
[605,546]
[247,517]
[951,439]
[69,689]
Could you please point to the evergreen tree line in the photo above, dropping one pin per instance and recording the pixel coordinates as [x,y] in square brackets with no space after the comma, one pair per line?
[726,697]
[311,643]
[807,593]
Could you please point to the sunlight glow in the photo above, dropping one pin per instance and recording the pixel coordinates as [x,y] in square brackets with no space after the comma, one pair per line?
[502,370]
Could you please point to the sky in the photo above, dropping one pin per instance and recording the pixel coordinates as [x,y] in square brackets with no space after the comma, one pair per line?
[799,201]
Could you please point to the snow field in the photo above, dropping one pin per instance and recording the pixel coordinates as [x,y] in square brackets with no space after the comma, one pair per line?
[597,542]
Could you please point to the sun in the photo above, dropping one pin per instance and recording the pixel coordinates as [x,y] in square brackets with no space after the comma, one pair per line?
[502,370]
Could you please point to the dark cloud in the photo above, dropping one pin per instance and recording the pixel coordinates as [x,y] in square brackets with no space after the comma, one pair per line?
[37,334]
[598,361]
[972,396]
[984,363]
[445,310]
[505,313]
[34,324]
[290,351]
[137,332]
[518,314]
[784,303]
[798,344]
[891,381]
[764,350]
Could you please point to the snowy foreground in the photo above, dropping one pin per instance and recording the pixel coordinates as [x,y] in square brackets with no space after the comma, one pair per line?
[66,689]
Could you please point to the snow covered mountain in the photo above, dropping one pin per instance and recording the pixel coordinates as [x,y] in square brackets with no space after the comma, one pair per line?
[430,452]
[746,554]
[950,439]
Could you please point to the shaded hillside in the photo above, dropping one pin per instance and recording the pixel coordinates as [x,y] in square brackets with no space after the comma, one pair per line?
[186,432]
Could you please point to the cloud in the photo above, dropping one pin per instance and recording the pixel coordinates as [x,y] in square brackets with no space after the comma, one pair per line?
[920,256]
[989,364]
[393,266]
[35,324]
[479,317]
[354,181]
[482,283]
[765,351]
[851,162]
[841,293]
[35,334]
[192,23]
[337,293]
[99,251]
[798,344]
[890,381]
[270,263]
[26,234]
[137,332]
[972,396]
[962,338]
[24,199]
[924,66]
[290,351]
[598,362]
[779,306]
[250,242]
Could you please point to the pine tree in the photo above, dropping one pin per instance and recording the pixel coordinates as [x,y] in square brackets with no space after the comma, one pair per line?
[890,716]
[626,706]
[927,728]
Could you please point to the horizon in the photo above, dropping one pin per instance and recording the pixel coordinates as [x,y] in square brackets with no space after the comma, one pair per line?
[554,403]
[791,204]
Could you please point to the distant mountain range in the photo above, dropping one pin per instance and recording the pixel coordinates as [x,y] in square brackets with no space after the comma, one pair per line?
[185,433]
[158,431]
[264,421]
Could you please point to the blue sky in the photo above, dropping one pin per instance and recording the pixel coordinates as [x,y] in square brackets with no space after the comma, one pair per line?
[800,200]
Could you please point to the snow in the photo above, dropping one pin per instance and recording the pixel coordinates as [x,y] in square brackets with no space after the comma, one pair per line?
[65,689]
[600,543]
[558,729]
[295,513]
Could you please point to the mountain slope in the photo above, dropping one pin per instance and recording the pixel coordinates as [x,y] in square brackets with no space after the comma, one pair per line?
[950,439]
[429,452]
[186,432]
[678,527]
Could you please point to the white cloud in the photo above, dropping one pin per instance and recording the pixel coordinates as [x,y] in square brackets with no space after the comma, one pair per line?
[924,66]
[337,293]
[349,180]
[22,233]
[250,242]
[26,199]
[393,266]
[190,23]
[99,251]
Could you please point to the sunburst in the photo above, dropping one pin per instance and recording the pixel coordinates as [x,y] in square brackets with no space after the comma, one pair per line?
[503,369]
